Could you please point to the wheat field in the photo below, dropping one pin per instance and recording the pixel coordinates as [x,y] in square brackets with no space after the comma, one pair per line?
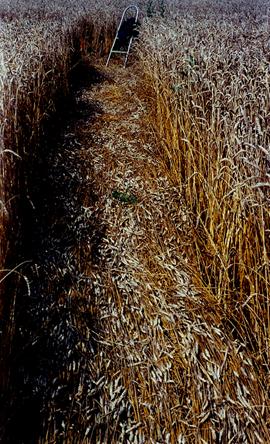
[210,81]
[203,70]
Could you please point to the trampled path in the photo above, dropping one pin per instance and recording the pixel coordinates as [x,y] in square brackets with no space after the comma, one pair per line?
[135,354]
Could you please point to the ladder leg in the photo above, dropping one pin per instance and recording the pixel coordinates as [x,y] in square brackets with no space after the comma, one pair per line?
[110,53]
[128,50]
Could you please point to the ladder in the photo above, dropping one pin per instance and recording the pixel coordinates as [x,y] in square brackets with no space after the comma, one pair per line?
[133,12]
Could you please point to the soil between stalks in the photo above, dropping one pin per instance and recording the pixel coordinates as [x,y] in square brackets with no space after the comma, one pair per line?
[116,346]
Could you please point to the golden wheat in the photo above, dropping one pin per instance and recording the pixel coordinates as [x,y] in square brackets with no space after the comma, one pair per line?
[210,81]
[192,360]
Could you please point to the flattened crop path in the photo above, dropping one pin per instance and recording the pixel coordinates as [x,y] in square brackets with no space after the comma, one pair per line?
[143,357]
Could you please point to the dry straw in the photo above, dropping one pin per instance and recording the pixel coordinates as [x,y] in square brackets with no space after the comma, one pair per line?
[207,75]
[209,71]
[40,43]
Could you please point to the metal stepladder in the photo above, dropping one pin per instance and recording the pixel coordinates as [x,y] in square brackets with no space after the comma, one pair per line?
[132,12]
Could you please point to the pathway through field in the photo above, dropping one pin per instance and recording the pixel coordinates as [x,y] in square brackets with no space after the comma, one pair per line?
[135,354]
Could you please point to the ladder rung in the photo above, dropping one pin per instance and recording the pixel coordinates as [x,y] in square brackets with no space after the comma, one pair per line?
[119,52]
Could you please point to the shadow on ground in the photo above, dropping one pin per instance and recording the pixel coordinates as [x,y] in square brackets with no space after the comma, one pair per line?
[53,318]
